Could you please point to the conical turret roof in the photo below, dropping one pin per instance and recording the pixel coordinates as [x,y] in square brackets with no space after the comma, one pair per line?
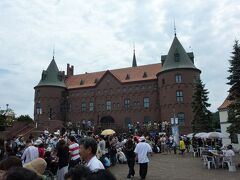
[52,76]
[177,57]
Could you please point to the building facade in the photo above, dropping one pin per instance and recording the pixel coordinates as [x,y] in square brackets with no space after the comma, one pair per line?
[223,115]
[145,94]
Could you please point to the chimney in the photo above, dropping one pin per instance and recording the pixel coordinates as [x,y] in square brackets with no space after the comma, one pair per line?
[70,70]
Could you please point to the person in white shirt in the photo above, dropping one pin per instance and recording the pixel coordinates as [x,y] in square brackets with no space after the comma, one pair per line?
[142,150]
[88,149]
[229,152]
[30,153]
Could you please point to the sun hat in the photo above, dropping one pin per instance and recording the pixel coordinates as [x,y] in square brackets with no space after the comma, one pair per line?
[37,165]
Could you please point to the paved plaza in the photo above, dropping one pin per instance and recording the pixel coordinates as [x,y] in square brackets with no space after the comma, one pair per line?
[176,167]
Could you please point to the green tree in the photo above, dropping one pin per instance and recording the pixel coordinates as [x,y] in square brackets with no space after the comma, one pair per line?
[24,118]
[201,115]
[234,91]
[215,121]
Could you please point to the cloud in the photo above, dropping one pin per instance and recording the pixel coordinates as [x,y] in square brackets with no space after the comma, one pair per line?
[102,33]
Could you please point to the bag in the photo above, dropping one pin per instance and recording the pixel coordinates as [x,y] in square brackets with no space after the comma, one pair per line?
[106,162]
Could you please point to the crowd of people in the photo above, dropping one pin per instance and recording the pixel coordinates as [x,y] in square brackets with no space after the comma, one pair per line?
[68,155]
[62,154]
[52,156]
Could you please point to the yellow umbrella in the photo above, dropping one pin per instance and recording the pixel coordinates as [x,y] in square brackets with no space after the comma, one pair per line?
[108,132]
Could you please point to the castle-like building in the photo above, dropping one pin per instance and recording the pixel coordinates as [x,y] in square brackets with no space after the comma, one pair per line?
[148,93]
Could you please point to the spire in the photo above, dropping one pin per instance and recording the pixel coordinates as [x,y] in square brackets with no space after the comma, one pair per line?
[134,63]
[53,51]
[175,31]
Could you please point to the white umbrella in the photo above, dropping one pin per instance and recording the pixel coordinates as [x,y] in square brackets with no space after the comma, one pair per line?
[190,135]
[201,135]
[215,135]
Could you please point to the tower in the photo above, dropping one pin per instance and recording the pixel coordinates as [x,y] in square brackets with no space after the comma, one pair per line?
[50,96]
[176,82]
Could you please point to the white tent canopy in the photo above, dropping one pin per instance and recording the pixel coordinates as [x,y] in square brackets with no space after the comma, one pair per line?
[201,135]
[210,135]
[215,135]
[190,135]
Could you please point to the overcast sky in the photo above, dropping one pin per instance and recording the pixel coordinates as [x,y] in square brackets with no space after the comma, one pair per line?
[96,35]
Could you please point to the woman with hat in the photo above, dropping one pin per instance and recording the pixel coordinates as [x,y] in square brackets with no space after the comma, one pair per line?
[38,166]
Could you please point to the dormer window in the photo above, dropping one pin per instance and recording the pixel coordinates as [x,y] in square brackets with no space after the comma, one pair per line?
[81,82]
[44,75]
[127,77]
[176,57]
[96,80]
[144,75]
[60,75]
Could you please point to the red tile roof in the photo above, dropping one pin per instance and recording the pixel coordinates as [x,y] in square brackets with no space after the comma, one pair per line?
[225,104]
[139,73]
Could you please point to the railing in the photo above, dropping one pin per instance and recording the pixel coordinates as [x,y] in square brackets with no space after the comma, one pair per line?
[20,131]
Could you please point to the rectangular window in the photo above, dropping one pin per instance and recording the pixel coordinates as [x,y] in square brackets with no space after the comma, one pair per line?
[91,107]
[84,107]
[126,103]
[178,78]
[181,118]
[146,102]
[108,105]
[179,95]
[38,108]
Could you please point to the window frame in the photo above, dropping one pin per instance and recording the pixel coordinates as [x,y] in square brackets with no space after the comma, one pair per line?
[146,102]
[91,106]
[181,119]
[127,103]
[108,105]
[179,96]
[178,78]
[83,107]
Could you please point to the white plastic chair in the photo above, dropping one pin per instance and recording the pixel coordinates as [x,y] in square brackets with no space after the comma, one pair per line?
[230,163]
[208,161]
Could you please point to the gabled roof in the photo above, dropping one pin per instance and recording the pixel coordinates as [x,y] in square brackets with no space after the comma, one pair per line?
[184,60]
[134,73]
[52,76]
[225,104]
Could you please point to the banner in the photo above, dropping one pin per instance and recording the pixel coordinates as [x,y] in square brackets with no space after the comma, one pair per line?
[175,133]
